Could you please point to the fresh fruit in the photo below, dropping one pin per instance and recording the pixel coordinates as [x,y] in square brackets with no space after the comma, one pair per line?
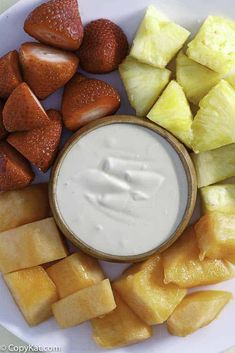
[27,115]
[158,39]
[86,304]
[34,293]
[75,272]
[219,198]
[23,206]
[183,267]
[197,310]
[215,233]
[15,171]
[30,245]
[3,131]
[143,289]
[195,79]
[214,166]
[143,84]
[214,123]
[172,112]
[85,100]
[40,145]
[231,79]
[119,328]
[57,23]
[103,48]
[10,76]
[213,46]
[46,69]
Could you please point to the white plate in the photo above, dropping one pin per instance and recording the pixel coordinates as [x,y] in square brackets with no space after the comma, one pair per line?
[219,335]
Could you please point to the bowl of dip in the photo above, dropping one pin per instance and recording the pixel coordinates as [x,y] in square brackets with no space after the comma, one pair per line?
[122,189]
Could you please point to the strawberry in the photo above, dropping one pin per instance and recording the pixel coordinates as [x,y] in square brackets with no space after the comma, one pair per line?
[3,132]
[10,76]
[15,171]
[23,111]
[104,47]
[39,146]
[57,23]
[85,100]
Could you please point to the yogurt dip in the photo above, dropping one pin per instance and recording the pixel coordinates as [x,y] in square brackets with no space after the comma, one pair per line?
[122,189]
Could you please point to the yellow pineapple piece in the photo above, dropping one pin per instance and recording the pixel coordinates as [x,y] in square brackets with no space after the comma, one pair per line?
[23,206]
[158,39]
[214,166]
[197,310]
[75,272]
[172,112]
[34,293]
[231,79]
[214,44]
[30,245]
[183,267]
[119,328]
[143,289]
[214,123]
[220,197]
[195,79]
[86,304]
[215,233]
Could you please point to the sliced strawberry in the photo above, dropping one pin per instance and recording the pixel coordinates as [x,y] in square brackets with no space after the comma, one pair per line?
[3,132]
[39,146]
[85,100]
[10,76]
[103,48]
[23,110]
[15,171]
[46,69]
[57,23]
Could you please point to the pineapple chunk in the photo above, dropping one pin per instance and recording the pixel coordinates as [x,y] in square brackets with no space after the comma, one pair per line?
[183,267]
[214,166]
[172,112]
[197,310]
[214,45]
[143,84]
[143,289]
[216,236]
[30,245]
[86,304]
[75,272]
[34,293]
[23,206]
[219,198]
[196,79]
[231,79]
[214,124]
[158,39]
[121,327]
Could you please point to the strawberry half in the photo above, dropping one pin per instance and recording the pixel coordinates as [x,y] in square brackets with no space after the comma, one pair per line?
[23,110]
[10,76]
[39,146]
[103,48]
[57,23]
[15,171]
[85,100]
[3,132]
[46,69]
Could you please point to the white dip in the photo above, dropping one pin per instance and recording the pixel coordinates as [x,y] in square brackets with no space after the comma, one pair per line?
[122,189]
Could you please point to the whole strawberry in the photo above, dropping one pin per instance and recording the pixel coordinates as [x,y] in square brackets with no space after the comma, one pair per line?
[103,48]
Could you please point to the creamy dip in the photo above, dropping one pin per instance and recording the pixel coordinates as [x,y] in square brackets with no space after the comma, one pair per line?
[122,189]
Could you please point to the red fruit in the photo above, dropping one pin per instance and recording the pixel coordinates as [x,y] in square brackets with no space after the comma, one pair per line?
[10,76]
[23,110]
[57,23]
[3,132]
[104,47]
[85,100]
[39,146]
[15,171]
[46,69]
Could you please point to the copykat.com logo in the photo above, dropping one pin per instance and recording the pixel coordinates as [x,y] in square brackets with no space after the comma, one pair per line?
[26,349]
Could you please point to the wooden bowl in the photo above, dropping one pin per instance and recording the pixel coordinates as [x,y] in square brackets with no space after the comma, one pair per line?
[177,146]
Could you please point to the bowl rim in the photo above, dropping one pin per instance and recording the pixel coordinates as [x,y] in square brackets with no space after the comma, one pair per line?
[186,162]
